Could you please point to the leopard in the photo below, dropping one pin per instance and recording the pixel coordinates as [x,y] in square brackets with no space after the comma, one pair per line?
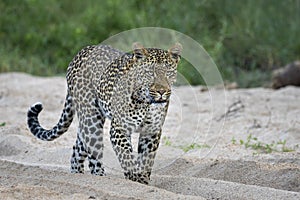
[130,89]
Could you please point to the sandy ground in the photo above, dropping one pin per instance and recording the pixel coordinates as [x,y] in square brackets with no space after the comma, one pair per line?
[200,156]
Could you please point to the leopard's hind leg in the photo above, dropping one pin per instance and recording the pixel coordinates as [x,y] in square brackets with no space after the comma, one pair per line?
[95,144]
[90,139]
[79,155]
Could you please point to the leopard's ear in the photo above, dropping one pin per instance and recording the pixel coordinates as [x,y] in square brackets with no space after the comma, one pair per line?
[175,52]
[139,51]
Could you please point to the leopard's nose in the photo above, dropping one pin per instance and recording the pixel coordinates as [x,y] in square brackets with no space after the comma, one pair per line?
[162,92]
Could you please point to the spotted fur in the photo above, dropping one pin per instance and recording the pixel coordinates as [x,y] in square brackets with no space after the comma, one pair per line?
[131,89]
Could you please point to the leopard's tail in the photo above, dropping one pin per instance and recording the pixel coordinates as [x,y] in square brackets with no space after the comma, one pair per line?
[61,127]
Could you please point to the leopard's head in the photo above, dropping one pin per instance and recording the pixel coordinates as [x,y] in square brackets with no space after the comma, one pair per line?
[156,72]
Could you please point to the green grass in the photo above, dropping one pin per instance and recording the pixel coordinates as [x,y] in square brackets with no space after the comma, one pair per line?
[262,147]
[185,148]
[246,39]
[166,141]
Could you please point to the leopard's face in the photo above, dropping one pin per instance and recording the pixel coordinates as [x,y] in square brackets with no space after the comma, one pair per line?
[156,72]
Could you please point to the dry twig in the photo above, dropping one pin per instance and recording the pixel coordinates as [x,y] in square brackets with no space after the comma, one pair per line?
[232,109]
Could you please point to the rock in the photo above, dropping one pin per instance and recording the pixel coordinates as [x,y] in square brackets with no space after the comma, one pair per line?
[288,75]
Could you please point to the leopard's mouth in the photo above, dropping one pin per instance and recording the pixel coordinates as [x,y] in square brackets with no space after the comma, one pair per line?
[158,100]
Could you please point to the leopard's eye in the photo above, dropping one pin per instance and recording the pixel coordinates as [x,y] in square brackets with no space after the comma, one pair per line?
[138,55]
[175,56]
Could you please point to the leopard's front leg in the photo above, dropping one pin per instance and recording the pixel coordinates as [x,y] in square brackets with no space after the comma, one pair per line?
[121,142]
[150,134]
[147,148]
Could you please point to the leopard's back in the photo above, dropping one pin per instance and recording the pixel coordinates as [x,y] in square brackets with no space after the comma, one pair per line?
[89,64]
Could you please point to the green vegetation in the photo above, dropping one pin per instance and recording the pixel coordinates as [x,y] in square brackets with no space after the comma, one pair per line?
[2,124]
[194,146]
[185,148]
[261,147]
[246,39]
[166,141]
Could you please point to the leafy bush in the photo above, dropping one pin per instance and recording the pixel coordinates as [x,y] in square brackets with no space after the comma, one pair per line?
[246,38]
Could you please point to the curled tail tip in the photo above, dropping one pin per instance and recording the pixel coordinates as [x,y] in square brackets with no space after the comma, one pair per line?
[38,104]
[37,107]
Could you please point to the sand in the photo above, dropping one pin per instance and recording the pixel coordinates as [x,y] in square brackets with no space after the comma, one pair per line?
[202,154]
